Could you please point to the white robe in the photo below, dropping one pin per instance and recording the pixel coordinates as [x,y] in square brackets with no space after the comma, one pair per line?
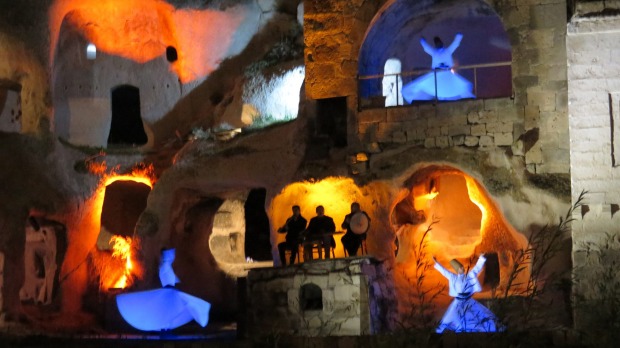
[441,83]
[163,309]
[464,313]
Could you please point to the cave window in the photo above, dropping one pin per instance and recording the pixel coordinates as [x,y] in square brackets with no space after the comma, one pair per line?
[123,203]
[171,54]
[126,127]
[331,120]
[10,108]
[394,64]
[310,297]
[463,218]
[43,252]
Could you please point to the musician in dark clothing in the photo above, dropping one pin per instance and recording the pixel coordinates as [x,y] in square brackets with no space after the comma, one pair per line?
[351,240]
[293,228]
[319,232]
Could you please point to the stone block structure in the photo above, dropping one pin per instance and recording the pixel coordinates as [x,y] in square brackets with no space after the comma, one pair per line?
[594,118]
[342,297]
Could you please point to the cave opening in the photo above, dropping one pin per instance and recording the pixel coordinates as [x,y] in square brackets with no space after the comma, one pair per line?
[310,297]
[171,54]
[198,262]
[44,250]
[335,194]
[450,215]
[257,228]
[126,127]
[123,202]
[331,120]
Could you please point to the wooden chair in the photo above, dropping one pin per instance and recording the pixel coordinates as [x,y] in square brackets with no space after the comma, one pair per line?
[287,254]
[362,249]
[315,251]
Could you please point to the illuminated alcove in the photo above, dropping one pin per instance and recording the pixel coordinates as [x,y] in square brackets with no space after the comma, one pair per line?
[269,96]
[397,28]
[123,199]
[335,194]
[453,217]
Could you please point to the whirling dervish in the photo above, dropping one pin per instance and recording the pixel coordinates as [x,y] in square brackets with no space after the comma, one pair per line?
[166,308]
[449,85]
[464,313]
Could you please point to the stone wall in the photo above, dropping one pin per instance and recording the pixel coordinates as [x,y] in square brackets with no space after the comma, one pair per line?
[534,121]
[333,34]
[357,299]
[594,118]
[471,123]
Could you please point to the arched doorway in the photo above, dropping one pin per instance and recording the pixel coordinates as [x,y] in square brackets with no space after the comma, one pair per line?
[126,127]
[257,238]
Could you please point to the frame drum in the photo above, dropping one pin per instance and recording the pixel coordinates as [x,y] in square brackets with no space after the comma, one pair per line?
[359,223]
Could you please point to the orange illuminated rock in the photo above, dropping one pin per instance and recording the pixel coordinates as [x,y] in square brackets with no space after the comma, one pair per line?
[141,30]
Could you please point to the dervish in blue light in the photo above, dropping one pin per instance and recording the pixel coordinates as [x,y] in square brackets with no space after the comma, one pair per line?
[166,308]
[450,85]
[464,313]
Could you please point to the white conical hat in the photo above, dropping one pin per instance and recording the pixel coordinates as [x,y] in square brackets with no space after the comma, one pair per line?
[359,223]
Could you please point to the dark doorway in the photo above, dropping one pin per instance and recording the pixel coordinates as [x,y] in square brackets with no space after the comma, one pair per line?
[124,201]
[126,127]
[310,297]
[331,120]
[257,236]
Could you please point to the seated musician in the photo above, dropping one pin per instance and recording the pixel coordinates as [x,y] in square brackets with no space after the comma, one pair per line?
[319,232]
[293,227]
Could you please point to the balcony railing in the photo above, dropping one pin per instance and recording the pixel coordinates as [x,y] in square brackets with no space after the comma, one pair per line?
[489,80]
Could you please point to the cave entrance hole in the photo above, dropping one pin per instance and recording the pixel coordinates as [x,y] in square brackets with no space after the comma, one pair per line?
[126,127]
[448,214]
[123,203]
[257,228]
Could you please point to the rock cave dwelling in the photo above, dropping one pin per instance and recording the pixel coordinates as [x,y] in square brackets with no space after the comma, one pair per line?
[214,130]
